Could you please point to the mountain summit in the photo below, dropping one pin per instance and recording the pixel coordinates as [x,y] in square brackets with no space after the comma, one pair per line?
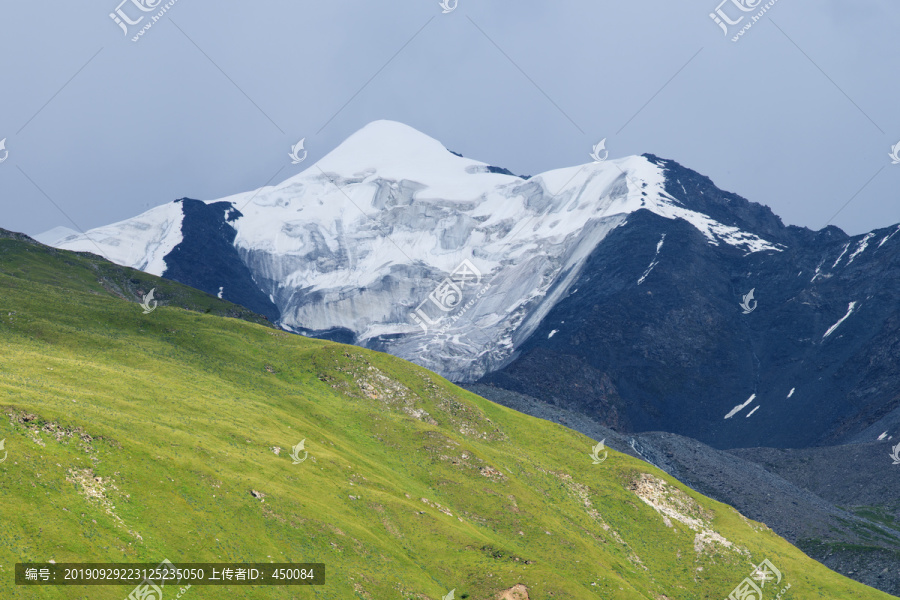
[396,151]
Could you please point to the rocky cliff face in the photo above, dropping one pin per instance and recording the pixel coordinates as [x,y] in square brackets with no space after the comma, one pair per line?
[656,334]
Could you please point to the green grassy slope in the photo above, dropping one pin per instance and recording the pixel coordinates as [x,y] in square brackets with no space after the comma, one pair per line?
[413,487]
[26,260]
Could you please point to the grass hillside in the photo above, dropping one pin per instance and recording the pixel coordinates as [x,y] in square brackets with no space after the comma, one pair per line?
[133,438]
[26,260]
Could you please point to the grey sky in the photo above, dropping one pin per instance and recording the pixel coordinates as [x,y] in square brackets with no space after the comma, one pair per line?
[799,114]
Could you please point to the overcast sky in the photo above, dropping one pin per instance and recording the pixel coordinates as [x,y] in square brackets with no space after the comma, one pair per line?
[800,114]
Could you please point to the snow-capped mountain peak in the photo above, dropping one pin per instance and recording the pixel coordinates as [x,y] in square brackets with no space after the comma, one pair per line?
[394,151]
[357,242]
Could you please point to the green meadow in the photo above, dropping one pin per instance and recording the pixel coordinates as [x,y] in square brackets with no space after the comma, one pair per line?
[135,437]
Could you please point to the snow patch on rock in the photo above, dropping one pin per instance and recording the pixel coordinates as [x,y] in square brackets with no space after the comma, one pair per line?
[831,329]
[740,407]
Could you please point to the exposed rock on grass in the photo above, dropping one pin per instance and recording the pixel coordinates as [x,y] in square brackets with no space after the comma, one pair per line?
[96,490]
[673,504]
